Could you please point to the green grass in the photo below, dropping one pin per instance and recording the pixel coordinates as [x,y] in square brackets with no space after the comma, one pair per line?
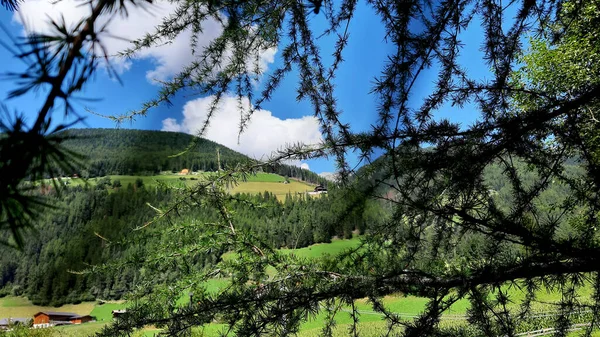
[317,250]
[366,328]
[280,190]
[11,306]
[87,329]
[103,312]
[254,184]
[266,177]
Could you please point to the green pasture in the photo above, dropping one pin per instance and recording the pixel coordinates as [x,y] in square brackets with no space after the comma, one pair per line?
[103,312]
[335,247]
[252,184]
[265,177]
[279,189]
[371,323]
[11,306]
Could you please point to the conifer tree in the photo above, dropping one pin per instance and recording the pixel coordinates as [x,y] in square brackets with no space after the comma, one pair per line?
[432,171]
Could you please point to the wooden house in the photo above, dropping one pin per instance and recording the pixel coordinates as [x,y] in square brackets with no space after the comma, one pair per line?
[44,319]
[319,189]
[81,319]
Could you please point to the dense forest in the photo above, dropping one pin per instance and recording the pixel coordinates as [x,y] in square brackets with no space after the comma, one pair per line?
[145,152]
[65,240]
[93,225]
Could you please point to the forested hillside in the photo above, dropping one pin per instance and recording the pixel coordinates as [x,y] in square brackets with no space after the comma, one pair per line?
[65,240]
[123,151]
[146,152]
[379,177]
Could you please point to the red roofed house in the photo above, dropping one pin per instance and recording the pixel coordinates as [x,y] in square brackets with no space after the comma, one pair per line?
[46,319]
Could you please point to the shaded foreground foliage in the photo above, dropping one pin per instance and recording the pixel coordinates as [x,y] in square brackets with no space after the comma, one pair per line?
[530,123]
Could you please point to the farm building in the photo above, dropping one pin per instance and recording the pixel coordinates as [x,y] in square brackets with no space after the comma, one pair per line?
[81,319]
[319,189]
[46,319]
[184,172]
[117,313]
[6,323]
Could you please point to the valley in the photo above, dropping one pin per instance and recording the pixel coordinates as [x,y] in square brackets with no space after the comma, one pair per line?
[323,168]
[406,307]
[96,221]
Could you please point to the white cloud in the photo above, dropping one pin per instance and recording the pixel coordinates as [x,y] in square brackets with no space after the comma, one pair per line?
[265,133]
[305,166]
[168,58]
[170,124]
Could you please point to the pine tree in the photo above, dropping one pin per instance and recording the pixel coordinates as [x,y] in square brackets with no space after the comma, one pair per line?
[432,170]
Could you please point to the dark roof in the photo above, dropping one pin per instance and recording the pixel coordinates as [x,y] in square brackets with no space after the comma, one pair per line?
[7,321]
[81,316]
[57,313]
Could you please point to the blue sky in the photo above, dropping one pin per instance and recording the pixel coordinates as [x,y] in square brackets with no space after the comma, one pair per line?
[283,119]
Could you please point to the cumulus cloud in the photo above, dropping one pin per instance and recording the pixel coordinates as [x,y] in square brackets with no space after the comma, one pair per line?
[265,133]
[170,124]
[305,166]
[168,58]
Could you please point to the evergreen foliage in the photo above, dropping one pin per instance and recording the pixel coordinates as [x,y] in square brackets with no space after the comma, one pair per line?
[75,235]
[145,152]
[531,123]
[138,152]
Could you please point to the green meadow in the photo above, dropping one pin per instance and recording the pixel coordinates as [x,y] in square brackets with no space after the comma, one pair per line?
[252,184]
[12,306]
[371,323]
[317,250]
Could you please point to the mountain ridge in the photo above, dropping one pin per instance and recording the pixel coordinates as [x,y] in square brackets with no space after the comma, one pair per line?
[148,152]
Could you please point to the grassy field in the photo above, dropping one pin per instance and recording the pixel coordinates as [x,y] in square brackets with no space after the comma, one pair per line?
[370,322]
[11,306]
[335,247]
[277,188]
[103,312]
[258,183]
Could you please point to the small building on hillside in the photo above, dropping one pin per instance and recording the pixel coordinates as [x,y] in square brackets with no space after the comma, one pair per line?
[184,172]
[46,319]
[319,189]
[7,323]
[118,313]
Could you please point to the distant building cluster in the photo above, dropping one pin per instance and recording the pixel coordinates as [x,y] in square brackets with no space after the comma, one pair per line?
[46,319]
